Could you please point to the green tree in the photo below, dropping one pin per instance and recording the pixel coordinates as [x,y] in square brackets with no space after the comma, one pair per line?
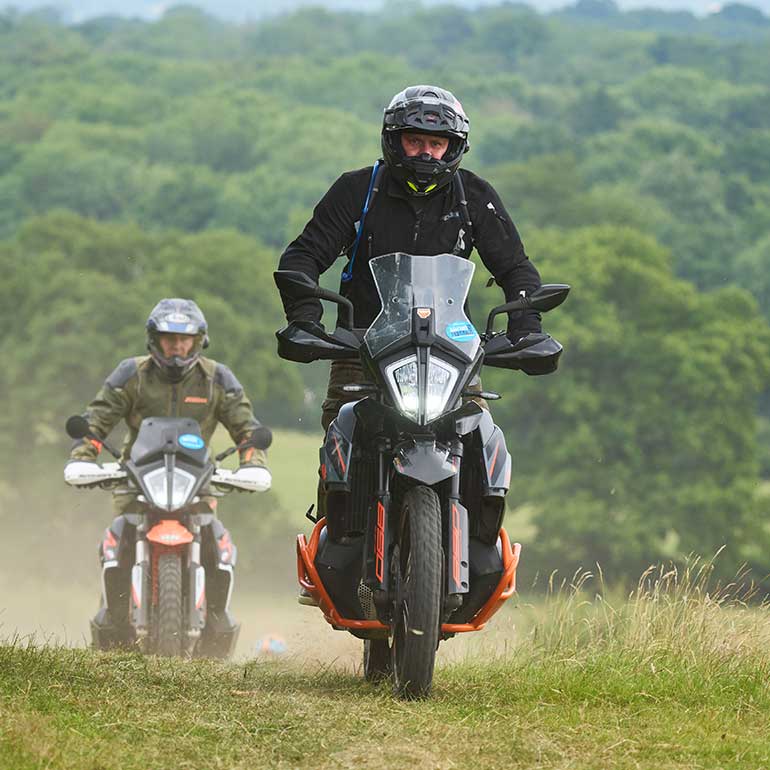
[642,446]
[65,333]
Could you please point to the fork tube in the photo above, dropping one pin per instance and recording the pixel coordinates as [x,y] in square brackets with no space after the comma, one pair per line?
[377,527]
[140,585]
[457,529]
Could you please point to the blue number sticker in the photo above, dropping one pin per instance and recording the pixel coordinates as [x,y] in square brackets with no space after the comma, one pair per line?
[191,441]
[461,331]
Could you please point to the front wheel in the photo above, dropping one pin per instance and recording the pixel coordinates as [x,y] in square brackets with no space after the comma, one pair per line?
[416,568]
[169,614]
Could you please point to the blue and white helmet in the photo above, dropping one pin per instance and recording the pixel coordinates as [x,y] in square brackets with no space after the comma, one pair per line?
[176,316]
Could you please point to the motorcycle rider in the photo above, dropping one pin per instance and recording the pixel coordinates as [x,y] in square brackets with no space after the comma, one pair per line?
[174,380]
[423,203]
[416,200]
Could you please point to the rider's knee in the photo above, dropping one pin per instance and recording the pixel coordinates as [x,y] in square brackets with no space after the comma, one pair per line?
[224,551]
[113,543]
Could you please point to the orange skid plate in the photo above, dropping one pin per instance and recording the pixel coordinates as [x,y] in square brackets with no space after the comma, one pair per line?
[169,532]
[311,582]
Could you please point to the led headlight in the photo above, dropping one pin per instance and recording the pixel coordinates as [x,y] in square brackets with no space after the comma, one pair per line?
[441,380]
[157,485]
[404,373]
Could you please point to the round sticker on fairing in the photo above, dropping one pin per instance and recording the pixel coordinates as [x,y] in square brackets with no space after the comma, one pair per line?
[191,441]
[461,331]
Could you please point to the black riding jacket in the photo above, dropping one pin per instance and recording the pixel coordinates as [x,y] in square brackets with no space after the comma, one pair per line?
[397,221]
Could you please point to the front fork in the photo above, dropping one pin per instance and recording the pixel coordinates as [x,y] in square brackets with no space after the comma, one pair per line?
[141,585]
[196,588]
[141,598]
[378,536]
[456,549]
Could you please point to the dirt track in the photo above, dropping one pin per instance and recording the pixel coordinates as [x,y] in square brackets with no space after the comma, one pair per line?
[58,611]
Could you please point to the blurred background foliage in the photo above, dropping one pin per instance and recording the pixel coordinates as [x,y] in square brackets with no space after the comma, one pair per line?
[178,157]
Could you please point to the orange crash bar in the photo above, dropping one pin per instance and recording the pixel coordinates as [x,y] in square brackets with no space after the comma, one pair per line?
[309,579]
[506,588]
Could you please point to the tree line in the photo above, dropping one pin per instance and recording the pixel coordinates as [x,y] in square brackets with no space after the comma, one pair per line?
[178,157]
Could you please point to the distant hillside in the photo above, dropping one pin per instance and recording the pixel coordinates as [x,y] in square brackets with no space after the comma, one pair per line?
[240,10]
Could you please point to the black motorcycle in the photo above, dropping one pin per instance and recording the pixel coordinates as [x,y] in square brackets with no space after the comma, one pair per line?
[160,595]
[409,548]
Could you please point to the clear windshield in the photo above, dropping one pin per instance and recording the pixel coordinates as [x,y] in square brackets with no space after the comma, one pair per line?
[435,286]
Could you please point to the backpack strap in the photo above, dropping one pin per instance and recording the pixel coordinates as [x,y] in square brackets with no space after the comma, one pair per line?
[463,201]
[347,273]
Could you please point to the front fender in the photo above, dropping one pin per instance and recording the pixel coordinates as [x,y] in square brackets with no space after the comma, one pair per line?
[170,533]
[424,461]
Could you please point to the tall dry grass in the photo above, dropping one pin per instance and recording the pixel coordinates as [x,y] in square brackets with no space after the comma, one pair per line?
[674,612]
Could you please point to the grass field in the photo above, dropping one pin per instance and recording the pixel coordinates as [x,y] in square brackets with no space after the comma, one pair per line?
[293,460]
[674,676]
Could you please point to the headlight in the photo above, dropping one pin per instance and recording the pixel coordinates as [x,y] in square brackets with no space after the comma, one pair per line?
[404,374]
[157,485]
[441,380]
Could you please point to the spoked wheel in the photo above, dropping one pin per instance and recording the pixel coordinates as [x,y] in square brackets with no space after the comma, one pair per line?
[376,660]
[170,607]
[417,567]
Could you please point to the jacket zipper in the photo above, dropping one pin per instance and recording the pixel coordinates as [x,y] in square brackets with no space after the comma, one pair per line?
[174,401]
[417,229]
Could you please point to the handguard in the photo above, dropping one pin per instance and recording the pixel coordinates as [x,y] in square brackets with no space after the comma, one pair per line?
[534,354]
[251,479]
[81,473]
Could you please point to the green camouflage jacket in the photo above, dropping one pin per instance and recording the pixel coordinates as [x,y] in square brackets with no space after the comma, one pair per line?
[208,393]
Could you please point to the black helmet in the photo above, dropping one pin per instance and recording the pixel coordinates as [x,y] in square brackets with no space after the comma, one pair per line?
[176,316]
[429,110]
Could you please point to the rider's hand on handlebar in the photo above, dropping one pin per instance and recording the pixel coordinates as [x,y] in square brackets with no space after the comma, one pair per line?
[315,328]
[74,462]
[523,339]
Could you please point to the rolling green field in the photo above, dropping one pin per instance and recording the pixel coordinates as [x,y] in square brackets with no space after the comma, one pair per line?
[674,676]
[293,459]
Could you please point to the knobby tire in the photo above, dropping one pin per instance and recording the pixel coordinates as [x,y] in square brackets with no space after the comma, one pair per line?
[170,604]
[417,617]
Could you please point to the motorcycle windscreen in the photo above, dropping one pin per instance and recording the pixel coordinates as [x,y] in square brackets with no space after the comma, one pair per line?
[436,286]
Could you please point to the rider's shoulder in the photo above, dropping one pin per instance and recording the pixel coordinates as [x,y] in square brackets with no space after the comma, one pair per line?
[473,183]
[356,174]
[483,199]
[125,371]
[221,374]
[356,180]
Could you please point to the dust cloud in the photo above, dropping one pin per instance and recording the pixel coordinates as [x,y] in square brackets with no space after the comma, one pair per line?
[50,586]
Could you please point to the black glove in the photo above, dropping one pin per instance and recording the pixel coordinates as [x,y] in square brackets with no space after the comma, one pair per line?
[521,339]
[315,328]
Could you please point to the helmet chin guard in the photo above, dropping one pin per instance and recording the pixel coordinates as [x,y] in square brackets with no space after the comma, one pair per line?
[174,367]
[428,110]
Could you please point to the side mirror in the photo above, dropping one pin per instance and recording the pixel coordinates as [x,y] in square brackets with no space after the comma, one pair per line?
[298,285]
[77,426]
[547,297]
[261,438]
